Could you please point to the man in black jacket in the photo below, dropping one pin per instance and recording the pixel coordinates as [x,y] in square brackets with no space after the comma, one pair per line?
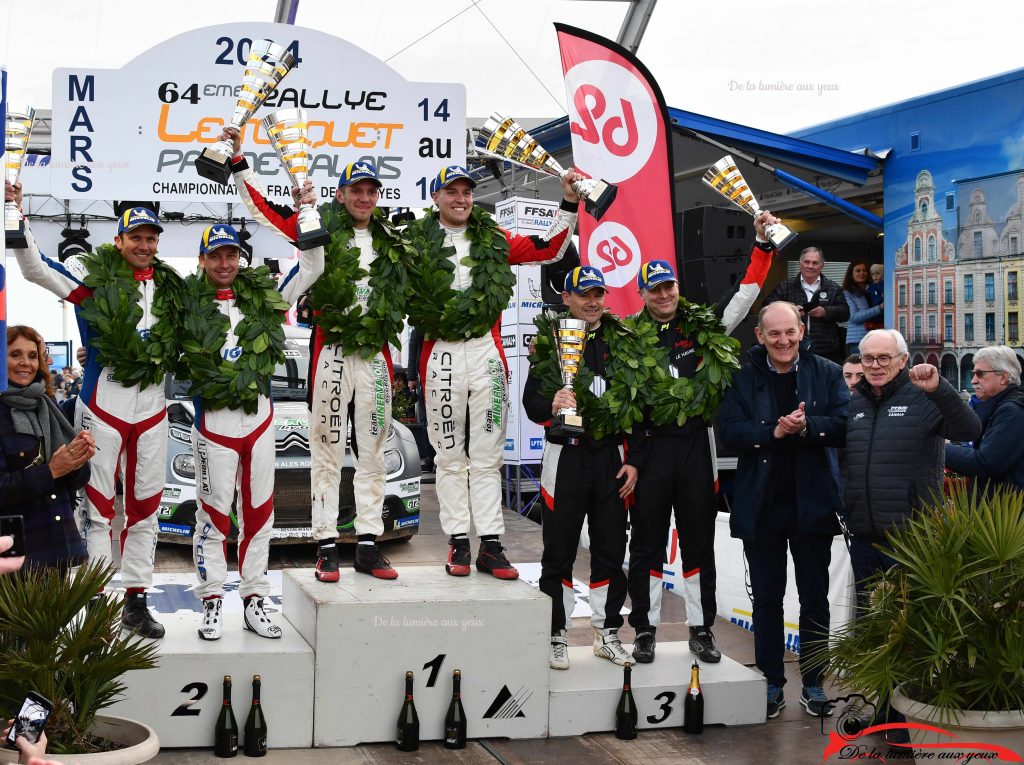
[783,411]
[821,302]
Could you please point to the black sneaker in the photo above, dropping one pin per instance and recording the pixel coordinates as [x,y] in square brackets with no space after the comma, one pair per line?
[776,701]
[643,645]
[491,560]
[812,698]
[459,557]
[702,645]
[327,564]
[370,560]
[135,616]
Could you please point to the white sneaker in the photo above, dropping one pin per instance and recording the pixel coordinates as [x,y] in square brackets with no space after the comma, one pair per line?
[256,619]
[608,646]
[559,651]
[212,621]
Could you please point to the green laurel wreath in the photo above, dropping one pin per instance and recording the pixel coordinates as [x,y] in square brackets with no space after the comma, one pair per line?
[232,384]
[675,400]
[333,296]
[113,313]
[635,356]
[443,313]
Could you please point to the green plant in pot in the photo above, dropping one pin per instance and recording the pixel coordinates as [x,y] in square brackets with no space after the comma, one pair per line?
[54,642]
[942,633]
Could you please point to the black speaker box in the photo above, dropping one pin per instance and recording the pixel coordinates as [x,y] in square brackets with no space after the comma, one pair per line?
[708,279]
[714,232]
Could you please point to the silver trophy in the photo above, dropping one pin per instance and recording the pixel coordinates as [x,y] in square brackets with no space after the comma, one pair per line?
[502,138]
[725,178]
[570,337]
[267,65]
[17,131]
[287,130]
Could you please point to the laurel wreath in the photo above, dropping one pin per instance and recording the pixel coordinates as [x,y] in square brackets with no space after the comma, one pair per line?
[443,313]
[634,356]
[234,384]
[675,400]
[333,297]
[113,313]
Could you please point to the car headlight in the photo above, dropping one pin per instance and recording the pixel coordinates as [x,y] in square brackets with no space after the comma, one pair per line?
[184,464]
[392,461]
[180,435]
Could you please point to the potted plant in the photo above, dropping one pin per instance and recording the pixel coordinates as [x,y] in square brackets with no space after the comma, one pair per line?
[58,640]
[941,637]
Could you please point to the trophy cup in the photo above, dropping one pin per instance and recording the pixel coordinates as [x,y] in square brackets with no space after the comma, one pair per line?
[570,337]
[287,131]
[502,138]
[17,130]
[725,178]
[267,66]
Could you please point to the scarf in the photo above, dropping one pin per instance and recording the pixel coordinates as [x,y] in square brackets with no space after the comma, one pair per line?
[35,414]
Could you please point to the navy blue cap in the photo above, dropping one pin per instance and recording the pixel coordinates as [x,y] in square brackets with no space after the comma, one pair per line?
[583,278]
[135,217]
[359,171]
[218,235]
[448,176]
[655,272]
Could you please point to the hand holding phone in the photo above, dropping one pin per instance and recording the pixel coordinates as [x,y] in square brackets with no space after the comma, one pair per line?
[30,720]
[13,526]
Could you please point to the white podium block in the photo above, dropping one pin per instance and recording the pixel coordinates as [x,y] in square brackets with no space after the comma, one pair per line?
[181,698]
[367,633]
[584,697]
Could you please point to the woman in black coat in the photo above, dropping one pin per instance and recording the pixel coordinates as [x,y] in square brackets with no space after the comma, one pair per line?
[43,463]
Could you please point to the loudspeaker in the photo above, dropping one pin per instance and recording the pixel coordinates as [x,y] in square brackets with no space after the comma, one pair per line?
[708,279]
[714,232]
[552,277]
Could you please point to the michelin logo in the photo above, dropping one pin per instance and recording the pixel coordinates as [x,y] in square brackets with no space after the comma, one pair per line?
[654,269]
[404,522]
[589,273]
[361,167]
[140,214]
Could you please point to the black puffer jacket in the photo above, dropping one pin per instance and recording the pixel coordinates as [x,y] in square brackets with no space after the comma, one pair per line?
[824,332]
[894,450]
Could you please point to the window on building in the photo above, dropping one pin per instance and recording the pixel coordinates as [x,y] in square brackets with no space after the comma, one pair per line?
[990,327]
[931,293]
[990,286]
[1013,326]
[977,244]
[917,294]
[917,329]
[1014,246]
[969,288]
[969,327]
[924,208]
[903,295]
[903,326]
[917,250]
[931,249]
[948,292]
[1011,285]
[948,334]
[931,330]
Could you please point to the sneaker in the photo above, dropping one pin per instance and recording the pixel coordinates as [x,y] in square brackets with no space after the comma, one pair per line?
[458,557]
[135,616]
[702,645]
[212,621]
[256,619]
[370,560]
[559,651]
[491,560]
[327,564]
[812,698]
[776,701]
[643,646]
[608,646]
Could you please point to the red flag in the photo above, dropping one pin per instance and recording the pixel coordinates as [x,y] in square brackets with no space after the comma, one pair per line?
[619,125]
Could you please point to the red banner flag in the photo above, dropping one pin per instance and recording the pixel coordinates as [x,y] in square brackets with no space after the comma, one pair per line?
[619,125]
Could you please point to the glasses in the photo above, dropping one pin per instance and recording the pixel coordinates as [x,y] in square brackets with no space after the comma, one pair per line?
[983,372]
[883,361]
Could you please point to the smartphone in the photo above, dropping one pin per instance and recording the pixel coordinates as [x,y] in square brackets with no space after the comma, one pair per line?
[31,718]
[13,526]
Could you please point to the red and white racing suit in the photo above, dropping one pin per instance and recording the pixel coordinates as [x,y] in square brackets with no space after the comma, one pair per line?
[235,451]
[469,378]
[128,423]
[340,379]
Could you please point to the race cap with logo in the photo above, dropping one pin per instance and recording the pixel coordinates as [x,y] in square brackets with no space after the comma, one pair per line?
[583,278]
[359,171]
[132,218]
[218,235]
[448,176]
[653,273]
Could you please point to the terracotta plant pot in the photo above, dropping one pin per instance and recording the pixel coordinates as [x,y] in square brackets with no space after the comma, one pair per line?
[140,744]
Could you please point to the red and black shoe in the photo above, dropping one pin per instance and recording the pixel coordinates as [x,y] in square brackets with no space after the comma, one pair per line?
[491,560]
[459,557]
[369,560]
[327,564]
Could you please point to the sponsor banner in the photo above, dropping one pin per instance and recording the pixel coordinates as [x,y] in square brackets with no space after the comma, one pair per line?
[403,523]
[618,121]
[175,529]
[183,93]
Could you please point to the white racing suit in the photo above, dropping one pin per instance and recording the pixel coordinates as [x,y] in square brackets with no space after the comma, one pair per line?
[339,380]
[469,379]
[128,423]
[234,451]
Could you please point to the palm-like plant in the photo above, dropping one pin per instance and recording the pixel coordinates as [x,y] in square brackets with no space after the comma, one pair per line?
[54,642]
[947,623]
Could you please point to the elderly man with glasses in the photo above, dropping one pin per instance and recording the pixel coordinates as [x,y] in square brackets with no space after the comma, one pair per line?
[997,457]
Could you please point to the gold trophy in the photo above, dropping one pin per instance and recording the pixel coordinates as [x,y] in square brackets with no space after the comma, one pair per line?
[570,337]
[17,131]
[502,138]
[287,130]
[267,66]
[725,178]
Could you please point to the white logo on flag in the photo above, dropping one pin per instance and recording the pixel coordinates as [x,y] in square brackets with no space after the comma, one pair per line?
[614,250]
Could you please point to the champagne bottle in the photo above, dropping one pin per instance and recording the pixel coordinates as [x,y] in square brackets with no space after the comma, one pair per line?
[408,721]
[256,724]
[693,705]
[455,720]
[625,712]
[225,737]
